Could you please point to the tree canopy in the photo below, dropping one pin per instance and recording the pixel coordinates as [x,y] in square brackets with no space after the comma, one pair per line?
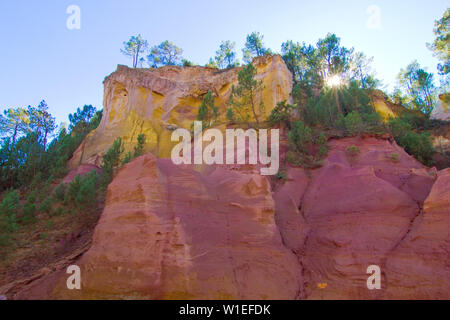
[254,47]
[245,100]
[418,86]
[135,48]
[226,55]
[165,54]
[440,45]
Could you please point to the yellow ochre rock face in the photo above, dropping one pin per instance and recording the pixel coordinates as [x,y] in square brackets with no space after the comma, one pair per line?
[156,101]
[382,105]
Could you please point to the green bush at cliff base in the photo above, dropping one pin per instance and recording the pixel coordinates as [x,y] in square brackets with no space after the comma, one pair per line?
[82,192]
[416,144]
[307,147]
[9,211]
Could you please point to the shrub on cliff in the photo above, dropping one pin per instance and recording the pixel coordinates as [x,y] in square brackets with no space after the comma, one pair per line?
[28,213]
[353,123]
[82,192]
[111,160]
[87,194]
[244,99]
[416,144]
[9,210]
[208,112]
[281,114]
[60,192]
[352,151]
[307,147]
[29,209]
[138,150]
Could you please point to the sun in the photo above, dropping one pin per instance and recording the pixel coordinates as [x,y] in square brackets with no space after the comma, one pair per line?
[334,81]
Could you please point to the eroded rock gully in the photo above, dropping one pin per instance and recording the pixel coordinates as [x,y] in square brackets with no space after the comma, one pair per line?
[365,210]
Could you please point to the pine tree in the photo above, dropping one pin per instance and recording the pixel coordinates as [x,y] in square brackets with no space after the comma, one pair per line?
[244,98]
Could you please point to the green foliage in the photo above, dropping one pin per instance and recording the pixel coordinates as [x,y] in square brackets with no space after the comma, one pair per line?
[355,114]
[165,54]
[14,123]
[313,65]
[9,210]
[399,127]
[139,148]
[335,57]
[87,194]
[394,157]
[60,192]
[111,160]
[127,159]
[307,148]
[80,120]
[187,63]
[281,114]
[45,189]
[212,64]
[416,144]
[49,224]
[352,151]
[230,115]
[58,211]
[304,62]
[418,87]
[440,45]
[25,157]
[72,191]
[46,206]
[281,175]
[28,212]
[82,192]
[135,48]
[208,112]
[353,123]
[226,55]
[254,47]
[244,97]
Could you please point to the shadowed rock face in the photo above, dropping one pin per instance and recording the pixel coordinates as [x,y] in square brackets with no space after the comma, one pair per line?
[155,101]
[221,232]
[172,232]
[364,210]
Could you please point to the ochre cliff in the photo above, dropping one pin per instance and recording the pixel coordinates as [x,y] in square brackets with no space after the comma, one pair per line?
[226,232]
[155,101]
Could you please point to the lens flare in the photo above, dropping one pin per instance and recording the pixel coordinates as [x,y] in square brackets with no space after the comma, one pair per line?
[334,81]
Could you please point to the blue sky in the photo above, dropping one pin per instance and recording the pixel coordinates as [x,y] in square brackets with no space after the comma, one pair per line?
[42,59]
